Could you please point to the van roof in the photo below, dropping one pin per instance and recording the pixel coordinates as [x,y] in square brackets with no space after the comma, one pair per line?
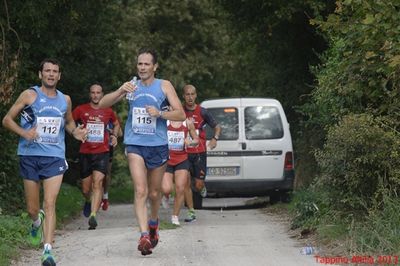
[242,101]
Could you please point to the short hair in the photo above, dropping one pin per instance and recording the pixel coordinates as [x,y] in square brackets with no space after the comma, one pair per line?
[49,60]
[96,83]
[146,50]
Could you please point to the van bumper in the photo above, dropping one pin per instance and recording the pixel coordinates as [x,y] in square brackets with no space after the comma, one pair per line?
[249,187]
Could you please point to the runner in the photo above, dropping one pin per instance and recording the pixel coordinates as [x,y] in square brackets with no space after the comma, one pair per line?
[45,116]
[197,155]
[94,153]
[146,139]
[178,165]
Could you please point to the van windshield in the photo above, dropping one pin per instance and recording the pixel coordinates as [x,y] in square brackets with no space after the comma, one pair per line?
[263,122]
[228,119]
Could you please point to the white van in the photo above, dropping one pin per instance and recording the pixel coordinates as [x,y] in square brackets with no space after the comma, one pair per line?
[254,153]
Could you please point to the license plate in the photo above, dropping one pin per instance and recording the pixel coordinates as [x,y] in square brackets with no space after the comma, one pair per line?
[223,171]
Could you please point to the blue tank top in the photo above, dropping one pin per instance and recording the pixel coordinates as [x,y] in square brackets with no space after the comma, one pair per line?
[142,129]
[47,114]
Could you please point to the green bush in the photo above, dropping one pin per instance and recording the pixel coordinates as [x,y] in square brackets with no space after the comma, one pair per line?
[360,162]
[380,233]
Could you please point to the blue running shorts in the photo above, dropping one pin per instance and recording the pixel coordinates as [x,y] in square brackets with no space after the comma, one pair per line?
[153,156]
[41,167]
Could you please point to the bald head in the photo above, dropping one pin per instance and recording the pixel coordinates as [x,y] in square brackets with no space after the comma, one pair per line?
[189,96]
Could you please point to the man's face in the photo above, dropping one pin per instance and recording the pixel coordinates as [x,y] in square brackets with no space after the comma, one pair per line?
[145,66]
[189,96]
[96,93]
[50,75]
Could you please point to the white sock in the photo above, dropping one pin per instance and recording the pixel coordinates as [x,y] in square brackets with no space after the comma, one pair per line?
[37,223]
[47,246]
[105,195]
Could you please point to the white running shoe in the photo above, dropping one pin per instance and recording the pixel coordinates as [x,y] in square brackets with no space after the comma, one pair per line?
[165,202]
[175,220]
[203,192]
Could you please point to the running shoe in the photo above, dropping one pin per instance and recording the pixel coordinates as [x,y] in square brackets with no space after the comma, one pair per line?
[191,216]
[92,222]
[104,204]
[36,235]
[87,208]
[145,245]
[153,232]
[203,192]
[48,258]
[165,202]
[175,220]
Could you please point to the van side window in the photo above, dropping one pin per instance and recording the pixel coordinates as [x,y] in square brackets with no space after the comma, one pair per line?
[262,122]
[228,119]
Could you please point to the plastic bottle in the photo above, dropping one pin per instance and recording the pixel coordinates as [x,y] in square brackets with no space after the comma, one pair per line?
[308,250]
[129,95]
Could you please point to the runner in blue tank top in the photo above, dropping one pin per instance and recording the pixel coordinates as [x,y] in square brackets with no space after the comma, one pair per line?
[45,115]
[146,139]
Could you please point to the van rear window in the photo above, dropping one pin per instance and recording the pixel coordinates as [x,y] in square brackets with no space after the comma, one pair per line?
[228,119]
[263,122]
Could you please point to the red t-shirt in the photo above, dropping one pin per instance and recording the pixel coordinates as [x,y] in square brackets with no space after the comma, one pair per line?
[95,121]
[200,117]
[176,143]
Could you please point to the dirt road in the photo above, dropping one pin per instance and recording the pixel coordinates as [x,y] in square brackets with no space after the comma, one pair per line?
[218,237]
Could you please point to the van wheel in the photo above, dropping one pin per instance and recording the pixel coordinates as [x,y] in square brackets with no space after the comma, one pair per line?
[274,197]
[197,200]
[279,196]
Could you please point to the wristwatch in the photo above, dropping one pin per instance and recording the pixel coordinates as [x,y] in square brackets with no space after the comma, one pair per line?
[216,137]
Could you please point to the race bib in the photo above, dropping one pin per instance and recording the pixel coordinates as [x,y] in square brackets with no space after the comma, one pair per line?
[176,140]
[142,122]
[95,132]
[48,129]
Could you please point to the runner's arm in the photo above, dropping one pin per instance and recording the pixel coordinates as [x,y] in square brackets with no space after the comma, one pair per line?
[26,98]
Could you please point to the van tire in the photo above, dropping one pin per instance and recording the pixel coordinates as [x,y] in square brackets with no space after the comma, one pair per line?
[279,196]
[197,200]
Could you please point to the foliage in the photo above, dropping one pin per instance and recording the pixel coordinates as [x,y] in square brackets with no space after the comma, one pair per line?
[360,71]
[14,229]
[13,232]
[69,203]
[360,161]
[308,206]
[380,233]
[191,39]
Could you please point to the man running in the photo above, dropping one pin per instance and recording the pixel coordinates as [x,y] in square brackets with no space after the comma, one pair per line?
[45,116]
[94,153]
[198,155]
[178,165]
[146,139]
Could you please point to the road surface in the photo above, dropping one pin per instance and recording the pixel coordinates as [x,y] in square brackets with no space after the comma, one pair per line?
[218,237]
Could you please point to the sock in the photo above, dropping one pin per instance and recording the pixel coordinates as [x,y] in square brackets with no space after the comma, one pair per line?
[153,222]
[105,195]
[93,214]
[47,247]
[37,223]
[144,233]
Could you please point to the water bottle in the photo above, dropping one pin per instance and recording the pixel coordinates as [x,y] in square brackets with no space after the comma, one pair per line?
[308,250]
[129,95]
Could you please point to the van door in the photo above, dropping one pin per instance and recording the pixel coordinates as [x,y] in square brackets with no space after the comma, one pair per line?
[225,162]
[264,145]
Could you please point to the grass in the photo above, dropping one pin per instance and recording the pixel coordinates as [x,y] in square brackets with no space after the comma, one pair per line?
[121,194]
[14,230]
[373,232]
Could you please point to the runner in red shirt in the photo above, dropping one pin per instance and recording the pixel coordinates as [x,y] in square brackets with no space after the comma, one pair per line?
[197,156]
[94,153]
[178,165]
